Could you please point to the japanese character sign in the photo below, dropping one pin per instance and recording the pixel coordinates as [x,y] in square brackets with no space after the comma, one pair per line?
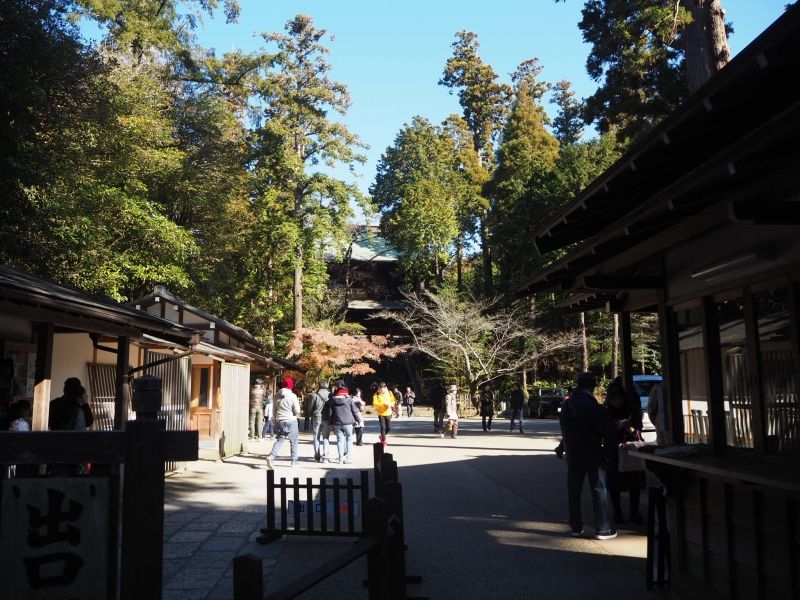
[54,534]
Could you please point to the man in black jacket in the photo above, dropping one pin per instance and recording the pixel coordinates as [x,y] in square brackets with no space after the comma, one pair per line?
[71,412]
[586,427]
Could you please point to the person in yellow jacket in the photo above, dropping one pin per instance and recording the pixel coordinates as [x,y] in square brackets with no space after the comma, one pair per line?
[384,402]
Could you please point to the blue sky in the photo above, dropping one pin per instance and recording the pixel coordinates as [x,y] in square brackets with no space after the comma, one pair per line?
[391,53]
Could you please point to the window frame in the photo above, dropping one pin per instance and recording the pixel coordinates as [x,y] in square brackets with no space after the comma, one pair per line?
[717,438]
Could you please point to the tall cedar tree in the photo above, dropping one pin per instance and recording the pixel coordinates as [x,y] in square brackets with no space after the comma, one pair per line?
[647,56]
[417,189]
[138,26]
[485,104]
[470,183]
[526,157]
[297,135]
[568,123]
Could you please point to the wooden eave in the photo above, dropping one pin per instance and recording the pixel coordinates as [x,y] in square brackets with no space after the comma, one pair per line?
[729,155]
[38,299]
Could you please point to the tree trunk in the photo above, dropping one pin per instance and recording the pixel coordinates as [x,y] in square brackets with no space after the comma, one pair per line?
[584,344]
[706,42]
[488,283]
[459,258]
[615,347]
[298,289]
[298,269]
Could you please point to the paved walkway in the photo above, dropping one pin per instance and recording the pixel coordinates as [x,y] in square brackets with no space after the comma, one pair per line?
[486,518]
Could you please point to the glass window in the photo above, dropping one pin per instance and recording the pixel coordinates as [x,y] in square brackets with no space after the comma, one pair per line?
[778,379]
[737,399]
[203,392]
[694,381]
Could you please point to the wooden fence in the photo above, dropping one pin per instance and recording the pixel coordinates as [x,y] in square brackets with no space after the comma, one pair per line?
[312,510]
[382,541]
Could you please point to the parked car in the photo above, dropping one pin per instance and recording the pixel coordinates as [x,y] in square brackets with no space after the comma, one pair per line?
[545,401]
[642,384]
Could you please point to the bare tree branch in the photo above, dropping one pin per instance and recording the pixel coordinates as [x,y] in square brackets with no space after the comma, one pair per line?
[475,339]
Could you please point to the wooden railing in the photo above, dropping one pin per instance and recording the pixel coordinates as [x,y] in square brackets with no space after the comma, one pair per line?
[310,515]
[382,541]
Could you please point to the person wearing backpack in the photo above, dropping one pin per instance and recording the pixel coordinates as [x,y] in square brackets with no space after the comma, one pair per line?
[317,408]
[344,415]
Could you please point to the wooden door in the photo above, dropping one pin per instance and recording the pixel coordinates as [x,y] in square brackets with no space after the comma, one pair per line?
[202,404]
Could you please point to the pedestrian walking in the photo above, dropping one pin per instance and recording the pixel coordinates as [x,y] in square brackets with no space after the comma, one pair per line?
[518,402]
[487,407]
[359,426]
[257,392]
[410,398]
[451,413]
[588,431]
[308,398]
[344,415]
[384,402]
[285,412]
[398,401]
[625,409]
[318,422]
[269,422]
[438,395]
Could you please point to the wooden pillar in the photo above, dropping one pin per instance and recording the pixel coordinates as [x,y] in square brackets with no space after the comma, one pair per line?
[143,499]
[671,371]
[121,383]
[44,368]
[627,349]
[758,422]
[716,408]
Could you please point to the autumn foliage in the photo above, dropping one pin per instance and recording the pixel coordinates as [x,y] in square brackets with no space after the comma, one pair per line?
[331,350]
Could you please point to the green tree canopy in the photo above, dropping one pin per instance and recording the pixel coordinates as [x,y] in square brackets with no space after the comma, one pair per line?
[295,138]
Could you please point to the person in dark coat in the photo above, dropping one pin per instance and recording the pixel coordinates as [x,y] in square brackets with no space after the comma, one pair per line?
[71,411]
[625,408]
[587,430]
[438,395]
[344,415]
[487,407]
[518,402]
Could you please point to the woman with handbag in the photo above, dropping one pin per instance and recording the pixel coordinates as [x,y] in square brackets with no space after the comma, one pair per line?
[625,408]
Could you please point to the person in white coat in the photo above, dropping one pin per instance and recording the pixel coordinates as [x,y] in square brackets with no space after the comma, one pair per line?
[451,412]
[285,409]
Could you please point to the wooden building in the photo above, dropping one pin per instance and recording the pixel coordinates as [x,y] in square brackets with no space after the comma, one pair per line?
[218,372]
[370,282]
[49,332]
[700,221]
[368,279]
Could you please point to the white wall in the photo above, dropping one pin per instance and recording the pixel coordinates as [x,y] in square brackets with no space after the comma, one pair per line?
[71,352]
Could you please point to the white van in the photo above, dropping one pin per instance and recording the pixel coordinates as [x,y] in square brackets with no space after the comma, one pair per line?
[643,384]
